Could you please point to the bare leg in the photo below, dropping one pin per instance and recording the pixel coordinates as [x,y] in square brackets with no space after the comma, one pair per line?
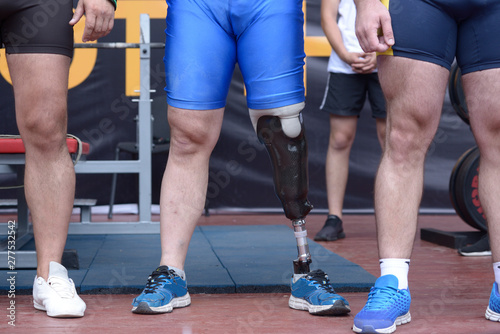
[414,91]
[40,87]
[482,90]
[342,133]
[194,134]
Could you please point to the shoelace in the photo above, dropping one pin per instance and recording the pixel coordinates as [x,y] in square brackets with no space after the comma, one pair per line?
[319,276]
[157,278]
[63,287]
[379,297]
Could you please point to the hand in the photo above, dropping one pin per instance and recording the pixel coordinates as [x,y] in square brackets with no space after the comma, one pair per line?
[366,63]
[99,15]
[371,17]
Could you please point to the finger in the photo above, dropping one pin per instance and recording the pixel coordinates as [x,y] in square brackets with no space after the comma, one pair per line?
[77,15]
[89,27]
[110,25]
[388,34]
[98,29]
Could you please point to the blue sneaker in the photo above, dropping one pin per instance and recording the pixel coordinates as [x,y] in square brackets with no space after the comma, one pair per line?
[164,291]
[493,310]
[314,293]
[386,307]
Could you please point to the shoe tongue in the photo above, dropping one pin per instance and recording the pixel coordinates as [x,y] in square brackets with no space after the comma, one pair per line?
[57,270]
[162,270]
[387,280]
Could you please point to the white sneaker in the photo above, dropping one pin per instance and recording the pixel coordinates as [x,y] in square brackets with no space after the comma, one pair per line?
[57,296]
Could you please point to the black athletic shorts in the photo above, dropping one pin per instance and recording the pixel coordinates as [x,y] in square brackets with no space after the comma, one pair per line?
[36,26]
[346,94]
[438,30]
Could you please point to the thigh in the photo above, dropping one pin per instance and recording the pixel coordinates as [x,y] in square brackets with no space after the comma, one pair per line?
[271,54]
[423,30]
[414,92]
[482,90]
[199,56]
[40,88]
[30,26]
[345,95]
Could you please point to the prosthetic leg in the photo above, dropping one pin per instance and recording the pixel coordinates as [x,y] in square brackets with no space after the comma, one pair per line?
[281,130]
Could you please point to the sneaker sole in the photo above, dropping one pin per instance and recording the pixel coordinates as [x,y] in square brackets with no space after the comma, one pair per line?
[492,315]
[144,308]
[404,319]
[483,253]
[40,307]
[339,236]
[338,308]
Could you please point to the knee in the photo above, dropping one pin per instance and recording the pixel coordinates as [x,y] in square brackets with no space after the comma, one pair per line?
[341,141]
[43,131]
[193,139]
[407,147]
[184,143]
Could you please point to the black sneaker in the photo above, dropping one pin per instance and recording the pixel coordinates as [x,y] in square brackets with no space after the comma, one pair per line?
[480,248]
[332,230]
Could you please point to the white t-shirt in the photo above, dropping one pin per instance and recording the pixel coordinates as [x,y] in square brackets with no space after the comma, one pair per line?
[346,22]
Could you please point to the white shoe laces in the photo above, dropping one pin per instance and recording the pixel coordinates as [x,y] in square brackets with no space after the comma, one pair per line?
[64,288]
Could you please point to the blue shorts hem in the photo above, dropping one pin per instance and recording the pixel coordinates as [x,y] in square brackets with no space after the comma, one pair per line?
[479,67]
[429,59]
[195,105]
[275,104]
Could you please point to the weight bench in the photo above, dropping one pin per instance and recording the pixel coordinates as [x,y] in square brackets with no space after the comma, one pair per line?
[12,160]
[84,204]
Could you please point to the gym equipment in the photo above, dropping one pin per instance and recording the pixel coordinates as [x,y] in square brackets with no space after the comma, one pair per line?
[457,97]
[464,190]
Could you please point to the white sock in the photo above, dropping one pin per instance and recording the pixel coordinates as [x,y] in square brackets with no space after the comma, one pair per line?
[496,270]
[179,272]
[398,268]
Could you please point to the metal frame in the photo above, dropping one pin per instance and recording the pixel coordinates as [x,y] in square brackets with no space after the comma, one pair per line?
[14,163]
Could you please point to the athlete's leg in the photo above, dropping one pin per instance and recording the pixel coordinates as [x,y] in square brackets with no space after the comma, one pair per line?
[200,56]
[271,59]
[199,61]
[414,91]
[40,88]
[194,134]
[482,90]
[342,133]
[289,161]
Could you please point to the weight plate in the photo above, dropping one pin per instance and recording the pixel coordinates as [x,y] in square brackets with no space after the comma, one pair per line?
[456,92]
[464,190]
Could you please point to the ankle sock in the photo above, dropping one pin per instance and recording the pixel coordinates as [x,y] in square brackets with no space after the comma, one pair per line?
[496,270]
[398,268]
[179,272]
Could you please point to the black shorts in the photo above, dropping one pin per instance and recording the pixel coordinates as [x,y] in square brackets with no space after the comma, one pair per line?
[36,26]
[438,30]
[345,94]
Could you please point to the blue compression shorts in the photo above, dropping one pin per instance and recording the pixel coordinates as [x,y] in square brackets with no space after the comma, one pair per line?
[438,30]
[206,38]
